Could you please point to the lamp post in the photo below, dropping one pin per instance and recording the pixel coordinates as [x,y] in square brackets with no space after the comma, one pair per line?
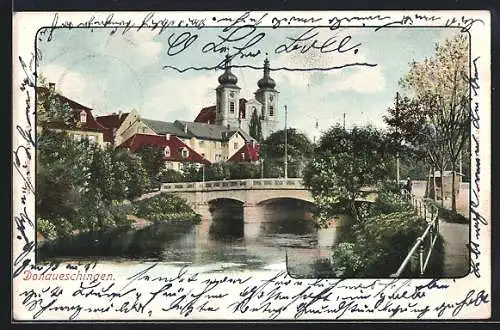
[262,168]
[286,144]
[203,184]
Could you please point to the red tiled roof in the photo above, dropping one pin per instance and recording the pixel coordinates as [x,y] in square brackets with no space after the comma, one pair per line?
[207,114]
[111,122]
[72,104]
[90,125]
[251,153]
[174,143]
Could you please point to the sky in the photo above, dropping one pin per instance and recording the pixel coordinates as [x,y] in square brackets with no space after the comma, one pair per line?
[124,71]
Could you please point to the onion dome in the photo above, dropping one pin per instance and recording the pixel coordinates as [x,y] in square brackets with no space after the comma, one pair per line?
[266,82]
[228,78]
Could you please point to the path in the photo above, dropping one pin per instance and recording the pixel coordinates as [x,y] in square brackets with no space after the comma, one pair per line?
[456,252]
[456,240]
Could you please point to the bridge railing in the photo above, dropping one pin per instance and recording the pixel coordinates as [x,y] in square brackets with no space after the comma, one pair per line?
[424,244]
[289,183]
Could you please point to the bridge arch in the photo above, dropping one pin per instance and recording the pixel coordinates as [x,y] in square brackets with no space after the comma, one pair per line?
[302,195]
[307,201]
[225,198]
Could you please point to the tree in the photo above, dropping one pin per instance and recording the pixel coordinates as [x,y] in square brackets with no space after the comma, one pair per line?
[344,162]
[170,176]
[255,127]
[300,150]
[152,158]
[139,181]
[441,84]
[414,135]
[50,108]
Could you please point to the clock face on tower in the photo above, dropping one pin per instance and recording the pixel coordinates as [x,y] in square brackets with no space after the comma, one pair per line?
[271,98]
[231,94]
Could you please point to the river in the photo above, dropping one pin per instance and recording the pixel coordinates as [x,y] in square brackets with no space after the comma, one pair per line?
[287,237]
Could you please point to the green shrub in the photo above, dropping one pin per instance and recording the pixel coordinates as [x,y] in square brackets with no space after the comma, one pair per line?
[165,207]
[449,215]
[47,228]
[322,268]
[379,247]
[346,260]
[389,202]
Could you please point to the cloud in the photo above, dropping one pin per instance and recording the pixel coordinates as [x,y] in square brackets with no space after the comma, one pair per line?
[137,48]
[362,80]
[179,98]
[73,84]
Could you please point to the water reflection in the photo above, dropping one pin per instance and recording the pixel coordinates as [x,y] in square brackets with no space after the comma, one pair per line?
[285,228]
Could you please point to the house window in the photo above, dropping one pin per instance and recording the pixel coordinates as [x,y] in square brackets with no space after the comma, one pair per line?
[92,139]
[203,154]
[218,107]
[271,110]
[201,143]
[231,107]
[77,137]
[236,145]
[83,117]
[243,156]
[167,151]
[185,153]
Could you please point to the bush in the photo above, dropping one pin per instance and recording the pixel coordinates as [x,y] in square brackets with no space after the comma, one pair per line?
[389,202]
[449,215]
[171,176]
[346,261]
[47,228]
[165,207]
[380,246]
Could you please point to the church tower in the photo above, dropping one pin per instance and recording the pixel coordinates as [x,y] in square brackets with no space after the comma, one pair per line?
[227,97]
[267,95]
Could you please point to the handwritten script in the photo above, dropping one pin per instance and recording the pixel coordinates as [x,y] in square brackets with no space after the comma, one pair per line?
[151,293]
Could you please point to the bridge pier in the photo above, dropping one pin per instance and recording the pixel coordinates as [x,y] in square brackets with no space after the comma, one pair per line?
[252,221]
[206,219]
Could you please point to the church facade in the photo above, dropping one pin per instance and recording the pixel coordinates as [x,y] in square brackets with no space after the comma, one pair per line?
[231,110]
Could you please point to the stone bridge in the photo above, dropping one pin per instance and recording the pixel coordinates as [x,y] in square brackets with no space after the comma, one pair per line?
[250,192]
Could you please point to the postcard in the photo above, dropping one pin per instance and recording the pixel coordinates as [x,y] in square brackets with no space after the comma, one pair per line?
[281,165]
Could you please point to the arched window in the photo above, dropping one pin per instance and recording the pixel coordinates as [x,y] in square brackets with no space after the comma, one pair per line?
[83,116]
[167,151]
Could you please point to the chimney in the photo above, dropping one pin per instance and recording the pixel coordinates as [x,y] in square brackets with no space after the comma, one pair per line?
[52,87]
[185,128]
[120,113]
[209,121]
[167,136]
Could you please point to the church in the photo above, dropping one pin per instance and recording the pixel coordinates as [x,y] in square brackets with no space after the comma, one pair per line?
[219,133]
[231,110]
